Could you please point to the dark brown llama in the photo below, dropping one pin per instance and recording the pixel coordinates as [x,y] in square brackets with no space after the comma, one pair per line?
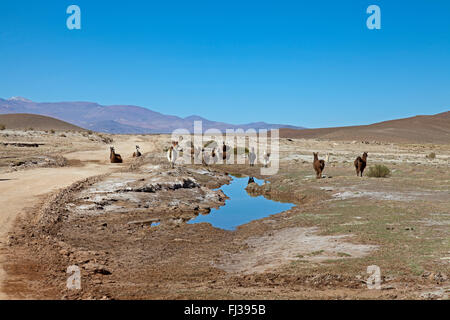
[360,164]
[114,157]
[224,151]
[318,165]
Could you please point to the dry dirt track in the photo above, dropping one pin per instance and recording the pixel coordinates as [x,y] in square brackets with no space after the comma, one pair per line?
[23,189]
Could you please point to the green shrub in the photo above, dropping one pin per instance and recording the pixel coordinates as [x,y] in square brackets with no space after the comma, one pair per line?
[379,171]
[52,131]
[90,132]
[432,156]
[2,127]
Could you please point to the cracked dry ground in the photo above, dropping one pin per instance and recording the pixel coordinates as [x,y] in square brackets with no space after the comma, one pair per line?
[127,233]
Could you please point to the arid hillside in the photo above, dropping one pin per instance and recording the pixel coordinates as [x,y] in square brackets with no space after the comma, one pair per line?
[418,129]
[36,122]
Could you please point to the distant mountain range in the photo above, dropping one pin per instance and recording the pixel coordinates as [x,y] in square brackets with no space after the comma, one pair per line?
[418,129]
[119,118]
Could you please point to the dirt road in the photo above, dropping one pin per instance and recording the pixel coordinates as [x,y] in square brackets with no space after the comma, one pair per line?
[23,189]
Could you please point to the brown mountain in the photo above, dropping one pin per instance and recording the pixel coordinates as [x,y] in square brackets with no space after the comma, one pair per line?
[119,118]
[418,129]
[37,122]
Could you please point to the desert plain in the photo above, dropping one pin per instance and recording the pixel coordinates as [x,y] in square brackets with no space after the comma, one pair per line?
[126,225]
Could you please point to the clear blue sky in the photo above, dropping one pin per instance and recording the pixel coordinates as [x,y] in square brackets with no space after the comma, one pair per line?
[309,63]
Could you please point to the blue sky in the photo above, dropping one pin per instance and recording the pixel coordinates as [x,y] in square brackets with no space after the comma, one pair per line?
[308,63]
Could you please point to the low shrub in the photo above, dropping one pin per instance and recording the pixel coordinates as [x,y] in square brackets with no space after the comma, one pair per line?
[432,156]
[379,171]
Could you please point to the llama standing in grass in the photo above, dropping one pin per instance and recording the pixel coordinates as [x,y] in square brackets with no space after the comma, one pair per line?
[114,157]
[252,157]
[214,156]
[360,164]
[266,158]
[137,153]
[198,152]
[205,158]
[225,155]
[172,156]
[318,165]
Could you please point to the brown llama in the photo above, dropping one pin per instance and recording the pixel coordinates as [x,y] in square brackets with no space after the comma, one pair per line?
[318,165]
[360,164]
[114,157]
[224,152]
[137,153]
[192,152]
[214,156]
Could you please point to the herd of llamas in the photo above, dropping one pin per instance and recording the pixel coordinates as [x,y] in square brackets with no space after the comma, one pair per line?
[318,164]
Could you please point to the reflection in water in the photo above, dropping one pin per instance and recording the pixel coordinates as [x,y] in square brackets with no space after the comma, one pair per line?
[241,208]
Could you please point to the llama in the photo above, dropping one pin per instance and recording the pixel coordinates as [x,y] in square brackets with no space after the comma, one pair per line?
[193,151]
[266,158]
[318,165]
[360,164]
[225,156]
[172,156]
[252,157]
[137,153]
[197,152]
[214,156]
[114,157]
[205,158]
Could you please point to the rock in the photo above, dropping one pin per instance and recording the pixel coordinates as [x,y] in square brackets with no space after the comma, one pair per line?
[96,268]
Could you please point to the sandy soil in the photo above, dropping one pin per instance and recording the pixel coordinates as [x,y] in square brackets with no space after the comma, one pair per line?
[319,249]
[24,189]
